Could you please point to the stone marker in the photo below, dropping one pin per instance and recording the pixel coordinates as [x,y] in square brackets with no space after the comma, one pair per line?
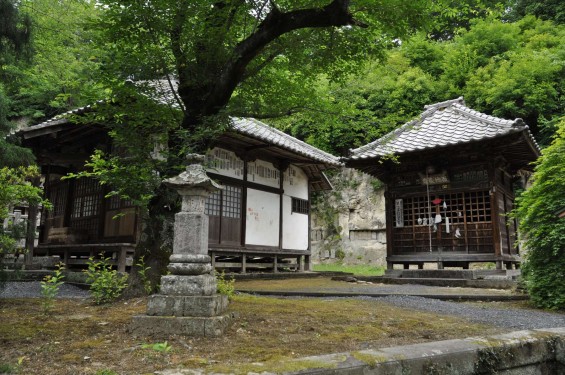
[188,303]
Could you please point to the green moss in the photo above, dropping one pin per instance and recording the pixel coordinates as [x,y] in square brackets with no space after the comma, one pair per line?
[277,366]
[370,359]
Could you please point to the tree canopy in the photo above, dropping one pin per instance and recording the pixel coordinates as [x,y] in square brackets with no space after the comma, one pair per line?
[509,70]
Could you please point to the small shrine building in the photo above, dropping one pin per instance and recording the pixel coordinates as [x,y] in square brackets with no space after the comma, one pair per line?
[450,177]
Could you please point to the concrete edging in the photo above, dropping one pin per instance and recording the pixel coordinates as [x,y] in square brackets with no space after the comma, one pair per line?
[540,351]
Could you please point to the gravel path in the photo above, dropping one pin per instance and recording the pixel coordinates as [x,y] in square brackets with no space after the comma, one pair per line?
[32,289]
[509,318]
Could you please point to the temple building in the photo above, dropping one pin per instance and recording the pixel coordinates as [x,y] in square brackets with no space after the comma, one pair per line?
[450,177]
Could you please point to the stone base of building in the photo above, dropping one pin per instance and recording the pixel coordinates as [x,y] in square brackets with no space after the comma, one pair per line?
[164,326]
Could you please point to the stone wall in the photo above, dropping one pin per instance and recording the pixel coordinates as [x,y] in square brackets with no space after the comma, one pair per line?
[348,223]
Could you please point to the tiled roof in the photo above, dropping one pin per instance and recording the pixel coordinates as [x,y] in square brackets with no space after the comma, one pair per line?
[442,124]
[247,126]
[259,130]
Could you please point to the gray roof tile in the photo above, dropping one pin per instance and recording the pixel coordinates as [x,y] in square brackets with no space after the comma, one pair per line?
[247,126]
[441,124]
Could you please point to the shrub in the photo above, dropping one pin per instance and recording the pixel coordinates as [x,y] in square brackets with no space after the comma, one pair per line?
[142,271]
[50,288]
[106,284]
[226,287]
[542,231]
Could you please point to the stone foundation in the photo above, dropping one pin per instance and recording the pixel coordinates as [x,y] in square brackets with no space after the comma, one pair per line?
[165,326]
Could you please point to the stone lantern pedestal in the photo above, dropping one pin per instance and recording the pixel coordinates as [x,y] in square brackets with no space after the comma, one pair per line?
[188,303]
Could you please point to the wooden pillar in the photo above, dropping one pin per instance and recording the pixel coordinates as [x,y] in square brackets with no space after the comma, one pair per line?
[122,252]
[275,264]
[389,226]
[33,211]
[244,263]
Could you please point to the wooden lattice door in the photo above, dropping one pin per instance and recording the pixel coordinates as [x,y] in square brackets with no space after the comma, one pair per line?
[224,212]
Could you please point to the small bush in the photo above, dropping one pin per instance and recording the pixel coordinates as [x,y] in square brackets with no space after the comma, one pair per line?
[50,288]
[226,287]
[106,284]
[144,276]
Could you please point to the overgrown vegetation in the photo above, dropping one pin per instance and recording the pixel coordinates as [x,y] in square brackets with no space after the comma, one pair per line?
[16,189]
[225,286]
[50,288]
[542,231]
[142,271]
[272,330]
[356,269]
[106,284]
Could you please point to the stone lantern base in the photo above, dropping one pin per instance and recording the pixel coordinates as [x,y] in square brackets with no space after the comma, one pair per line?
[188,305]
[163,326]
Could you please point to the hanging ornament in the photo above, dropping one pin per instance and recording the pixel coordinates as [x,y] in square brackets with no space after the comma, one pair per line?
[459,213]
[431,221]
[457,233]
[424,221]
[436,201]
[446,224]
[419,221]
[437,219]
[435,228]
[444,205]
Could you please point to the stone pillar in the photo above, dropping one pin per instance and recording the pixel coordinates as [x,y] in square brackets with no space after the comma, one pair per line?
[188,303]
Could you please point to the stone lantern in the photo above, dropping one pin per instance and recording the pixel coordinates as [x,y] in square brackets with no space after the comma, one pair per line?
[188,303]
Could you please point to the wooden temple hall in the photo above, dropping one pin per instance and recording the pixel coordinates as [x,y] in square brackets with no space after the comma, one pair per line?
[259,220]
[449,178]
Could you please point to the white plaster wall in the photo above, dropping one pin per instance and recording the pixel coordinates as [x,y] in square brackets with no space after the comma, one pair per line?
[295,227]
[295,182]
[264,173]
[225,163]
[262,218]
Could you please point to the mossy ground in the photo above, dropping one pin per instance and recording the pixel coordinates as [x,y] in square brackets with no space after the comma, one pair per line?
[356,269]
[80,338]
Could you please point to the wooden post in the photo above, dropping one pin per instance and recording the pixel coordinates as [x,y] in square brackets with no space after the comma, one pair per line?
[275,264]
[243,263]
[122,251]
[31,227]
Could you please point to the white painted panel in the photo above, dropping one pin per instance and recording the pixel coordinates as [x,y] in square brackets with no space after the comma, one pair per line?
[225,163]
[295,228]
[262,218]
[264,173]
[295,182]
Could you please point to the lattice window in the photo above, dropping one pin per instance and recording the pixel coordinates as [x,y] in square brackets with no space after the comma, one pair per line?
[231,202]
[87,198]
[472,207]
[115,202]
[299,206]
[225,203]
[59,199]
[214,204]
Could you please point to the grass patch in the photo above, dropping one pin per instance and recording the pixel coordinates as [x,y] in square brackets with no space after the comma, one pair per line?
[269,330]
[356,269]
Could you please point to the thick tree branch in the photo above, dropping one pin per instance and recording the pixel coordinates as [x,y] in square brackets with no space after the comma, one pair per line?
[273,26]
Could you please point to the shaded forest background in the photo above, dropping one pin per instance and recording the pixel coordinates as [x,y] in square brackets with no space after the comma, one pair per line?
[507,60]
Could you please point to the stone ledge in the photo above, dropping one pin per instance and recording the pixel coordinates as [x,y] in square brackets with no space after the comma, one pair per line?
[517,353]
[165,326]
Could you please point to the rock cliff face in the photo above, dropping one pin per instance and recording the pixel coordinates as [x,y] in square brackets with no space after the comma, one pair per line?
[348,223]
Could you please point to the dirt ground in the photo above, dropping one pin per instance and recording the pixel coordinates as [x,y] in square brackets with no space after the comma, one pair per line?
[81,338]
